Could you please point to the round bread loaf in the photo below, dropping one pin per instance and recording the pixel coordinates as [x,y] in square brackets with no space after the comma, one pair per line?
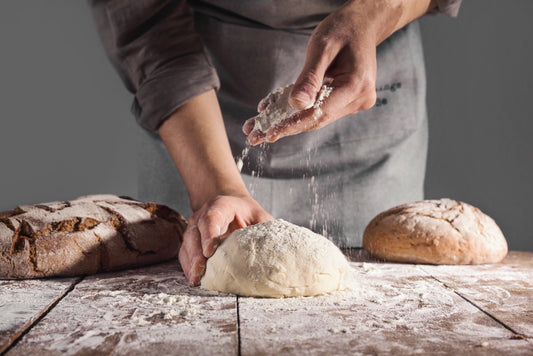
[90,234]
[441,231]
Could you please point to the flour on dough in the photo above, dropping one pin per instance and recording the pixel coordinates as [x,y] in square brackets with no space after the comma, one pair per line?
[276,259]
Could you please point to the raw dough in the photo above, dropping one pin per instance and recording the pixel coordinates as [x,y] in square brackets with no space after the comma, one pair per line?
[275,259]
[441,231]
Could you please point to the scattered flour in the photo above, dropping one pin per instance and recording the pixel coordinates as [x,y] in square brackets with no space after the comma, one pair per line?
[386,308]
[277,107]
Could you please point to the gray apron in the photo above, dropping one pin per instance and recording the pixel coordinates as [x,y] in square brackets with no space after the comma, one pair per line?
[335,179]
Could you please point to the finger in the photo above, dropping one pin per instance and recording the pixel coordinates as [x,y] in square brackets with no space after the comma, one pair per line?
[263,103]
[248,126]
[256,137]
[191,257]
[213,224]
[193,219]
[184,261]
[290,126]
[185,251]
[320,53]
[197,270]
[340,103]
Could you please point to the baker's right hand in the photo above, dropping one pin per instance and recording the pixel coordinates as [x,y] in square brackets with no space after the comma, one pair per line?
[210,224]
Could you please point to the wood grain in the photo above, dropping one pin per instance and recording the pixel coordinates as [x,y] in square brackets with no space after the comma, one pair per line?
[392,309]
[23,302]
[136,312]
[504,290]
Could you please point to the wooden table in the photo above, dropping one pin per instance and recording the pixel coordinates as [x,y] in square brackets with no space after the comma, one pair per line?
[390,309]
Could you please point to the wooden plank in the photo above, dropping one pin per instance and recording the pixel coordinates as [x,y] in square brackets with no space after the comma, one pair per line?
[143,311]
[503,290]
[22,302]
[390,309]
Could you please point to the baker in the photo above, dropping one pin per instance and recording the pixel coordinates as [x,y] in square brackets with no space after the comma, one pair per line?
[198,68]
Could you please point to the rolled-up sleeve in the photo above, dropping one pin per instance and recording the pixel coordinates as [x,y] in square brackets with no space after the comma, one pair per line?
[447,7]
[156,51]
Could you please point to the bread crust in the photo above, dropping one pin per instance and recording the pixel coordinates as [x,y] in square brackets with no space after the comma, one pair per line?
[87,235]
[441,231]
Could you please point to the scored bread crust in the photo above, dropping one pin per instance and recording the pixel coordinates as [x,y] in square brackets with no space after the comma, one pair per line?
[87,235]
[441,231]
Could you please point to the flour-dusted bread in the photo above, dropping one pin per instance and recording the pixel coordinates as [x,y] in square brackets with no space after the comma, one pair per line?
[441,231]
[87,235]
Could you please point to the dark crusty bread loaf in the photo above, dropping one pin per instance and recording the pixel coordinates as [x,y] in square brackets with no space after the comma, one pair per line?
[435,231]
[87,235]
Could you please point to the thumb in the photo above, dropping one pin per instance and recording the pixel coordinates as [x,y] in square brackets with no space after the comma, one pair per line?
[213,225]
[309,82]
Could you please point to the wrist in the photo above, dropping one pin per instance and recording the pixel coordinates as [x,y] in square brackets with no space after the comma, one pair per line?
[381,18]
[205,193]
[195,138]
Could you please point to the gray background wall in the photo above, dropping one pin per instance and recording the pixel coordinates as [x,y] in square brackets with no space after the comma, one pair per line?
[66,129]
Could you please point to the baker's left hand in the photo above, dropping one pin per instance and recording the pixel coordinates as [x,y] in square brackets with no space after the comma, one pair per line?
[341,53]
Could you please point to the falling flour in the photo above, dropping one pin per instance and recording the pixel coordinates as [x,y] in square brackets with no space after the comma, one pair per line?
[277,107]
[244,153]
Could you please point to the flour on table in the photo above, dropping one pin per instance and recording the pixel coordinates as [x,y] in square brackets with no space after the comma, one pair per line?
[276,259]
[278,108]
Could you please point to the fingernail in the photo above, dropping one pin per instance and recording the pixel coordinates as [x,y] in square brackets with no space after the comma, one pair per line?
[195,280]
[302,98]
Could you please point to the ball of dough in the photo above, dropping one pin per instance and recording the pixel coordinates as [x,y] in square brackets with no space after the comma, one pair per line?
[275,259]
[441,231]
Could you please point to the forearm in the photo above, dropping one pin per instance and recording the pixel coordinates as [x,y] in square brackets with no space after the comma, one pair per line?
[196,139]
[384,17]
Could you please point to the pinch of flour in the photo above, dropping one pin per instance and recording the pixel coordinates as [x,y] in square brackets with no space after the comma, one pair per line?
[278,107]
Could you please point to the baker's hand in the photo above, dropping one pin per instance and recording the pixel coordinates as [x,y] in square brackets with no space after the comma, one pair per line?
[214,221]
[341,53]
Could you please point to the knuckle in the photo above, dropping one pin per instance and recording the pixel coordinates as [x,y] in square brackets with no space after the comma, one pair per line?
[362,85]
[319,40]
[212,215]
[363,92]
[326,38]
[369,101]
[367,85]
[193,218]
[325,43]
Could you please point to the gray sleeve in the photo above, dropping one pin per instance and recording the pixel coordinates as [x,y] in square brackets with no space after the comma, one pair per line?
[448,7]
[156,51]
